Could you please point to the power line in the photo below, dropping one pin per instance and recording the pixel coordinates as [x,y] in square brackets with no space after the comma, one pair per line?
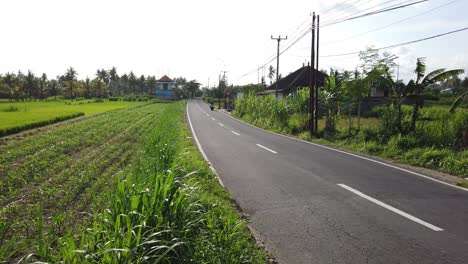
[400,44]
[394,23]
[374,13]
[339,12]
[344,15]
[307,30]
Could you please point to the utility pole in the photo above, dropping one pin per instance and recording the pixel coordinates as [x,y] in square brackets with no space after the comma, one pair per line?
[222,82]
[219,92]
[398,72]
[315,75]
[258,75]
[277,60]
[312,81]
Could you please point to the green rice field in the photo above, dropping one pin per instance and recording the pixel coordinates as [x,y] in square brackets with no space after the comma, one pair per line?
[19,116]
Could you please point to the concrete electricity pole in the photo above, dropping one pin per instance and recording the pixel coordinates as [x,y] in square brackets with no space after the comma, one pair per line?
[315,75]
[277,60]
[312,81]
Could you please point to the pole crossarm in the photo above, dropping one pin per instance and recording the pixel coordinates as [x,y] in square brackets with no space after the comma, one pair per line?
[278,39]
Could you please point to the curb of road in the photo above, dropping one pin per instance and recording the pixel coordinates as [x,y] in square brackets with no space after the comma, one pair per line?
[434,176]
[200,148]
[253,232]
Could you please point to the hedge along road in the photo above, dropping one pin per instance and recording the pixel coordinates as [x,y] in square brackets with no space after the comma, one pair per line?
[313,204]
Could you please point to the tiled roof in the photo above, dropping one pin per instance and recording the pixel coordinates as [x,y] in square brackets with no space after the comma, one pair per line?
[165,79]
[299,78]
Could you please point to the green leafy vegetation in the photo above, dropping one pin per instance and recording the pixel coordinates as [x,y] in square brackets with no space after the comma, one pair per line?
[401,128]
[126,186]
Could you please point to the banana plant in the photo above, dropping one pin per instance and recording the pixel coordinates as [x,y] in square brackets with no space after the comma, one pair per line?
[422,81]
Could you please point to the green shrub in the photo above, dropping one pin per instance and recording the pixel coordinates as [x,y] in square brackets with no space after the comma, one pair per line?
[403,142]
[371,147]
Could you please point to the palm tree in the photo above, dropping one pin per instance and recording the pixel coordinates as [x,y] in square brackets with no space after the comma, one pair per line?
[54,87]
[43,84]
[142,84]
[422,81]
[132,81]
[70,76]
[87,87]
[125,80]
[103,76]
[271,74]
[113,79]
[151,83]
[30,84]
[9,80]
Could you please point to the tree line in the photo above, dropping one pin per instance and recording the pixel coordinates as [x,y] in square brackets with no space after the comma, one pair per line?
[105,83]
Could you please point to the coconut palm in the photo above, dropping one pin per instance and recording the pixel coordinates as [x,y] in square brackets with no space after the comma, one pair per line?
[125,80]
[103,76]
[9,80]
[114,77]
[422,81]
[132,80]
[70,76]
[43,85]
[142,84]
[87,85]
[271,74]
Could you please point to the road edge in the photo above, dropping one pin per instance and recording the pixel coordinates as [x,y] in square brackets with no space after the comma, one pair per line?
[378,160]
[253,232]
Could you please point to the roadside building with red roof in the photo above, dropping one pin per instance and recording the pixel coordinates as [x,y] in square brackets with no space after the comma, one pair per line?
[165,88]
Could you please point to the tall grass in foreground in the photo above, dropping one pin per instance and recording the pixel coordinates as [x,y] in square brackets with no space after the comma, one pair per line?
[287,115]
[170,209]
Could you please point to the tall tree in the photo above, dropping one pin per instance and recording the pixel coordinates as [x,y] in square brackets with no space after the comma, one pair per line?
[30,84]
[9,80]
[103,77]
[54,87]
[113,77]
[271,74]
[70,77]
[125,81]
[132,81]
[142,84]
[151,80]
[87,85]
[43,85]
[192,87]
[369,59]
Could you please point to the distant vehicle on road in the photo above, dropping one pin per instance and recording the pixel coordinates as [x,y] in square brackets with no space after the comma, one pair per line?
[448,91]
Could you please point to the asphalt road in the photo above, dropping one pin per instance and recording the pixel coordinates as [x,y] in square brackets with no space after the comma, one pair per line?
[312,204]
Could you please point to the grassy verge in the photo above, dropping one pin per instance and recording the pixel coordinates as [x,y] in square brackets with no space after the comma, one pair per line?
[167,208]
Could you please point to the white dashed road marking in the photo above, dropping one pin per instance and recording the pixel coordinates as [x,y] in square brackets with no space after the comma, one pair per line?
[391,208]
[263,147]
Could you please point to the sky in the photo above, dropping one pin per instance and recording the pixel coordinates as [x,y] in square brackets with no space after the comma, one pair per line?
[201,39]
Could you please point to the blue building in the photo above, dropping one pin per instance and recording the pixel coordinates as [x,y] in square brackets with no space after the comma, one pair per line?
[165,88]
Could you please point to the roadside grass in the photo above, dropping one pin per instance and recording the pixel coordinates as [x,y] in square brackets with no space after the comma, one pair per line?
[166,208]
[437,142]
[19,116]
